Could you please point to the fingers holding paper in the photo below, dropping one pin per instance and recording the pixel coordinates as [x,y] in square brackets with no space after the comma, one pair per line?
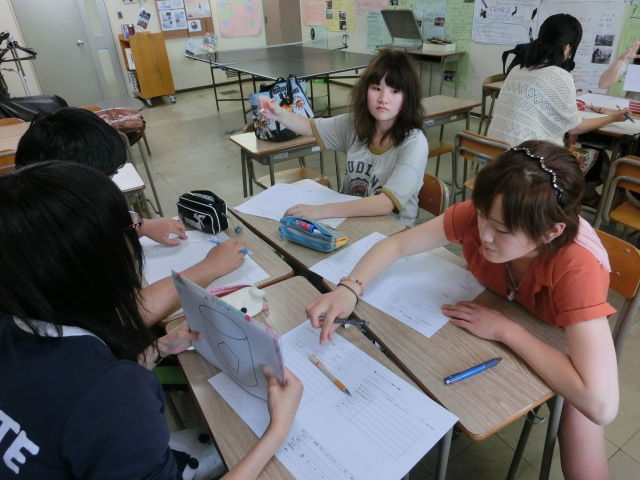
[312,212]
[323,310]
[283,400]
[177,340]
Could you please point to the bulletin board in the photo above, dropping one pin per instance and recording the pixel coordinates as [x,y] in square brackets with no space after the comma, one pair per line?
[184,18]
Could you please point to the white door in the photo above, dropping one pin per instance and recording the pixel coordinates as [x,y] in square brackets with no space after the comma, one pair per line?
[282,21]
[77,57]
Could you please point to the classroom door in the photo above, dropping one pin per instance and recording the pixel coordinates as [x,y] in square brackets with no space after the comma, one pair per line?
[282,21]
[77,56]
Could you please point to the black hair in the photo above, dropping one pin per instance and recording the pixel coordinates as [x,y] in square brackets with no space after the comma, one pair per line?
[69,255]
[73,134]
[398,72]
[548,49]
[530,200]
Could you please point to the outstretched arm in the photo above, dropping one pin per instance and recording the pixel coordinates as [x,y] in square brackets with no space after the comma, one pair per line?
[611,74]
[299,124]
[590,124]
[375,205]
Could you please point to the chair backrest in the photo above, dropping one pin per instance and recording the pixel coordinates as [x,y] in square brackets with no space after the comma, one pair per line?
[434,195]
[493,78]
[478,148]
[624,280]
[7,162]
[10,121]
[624,173]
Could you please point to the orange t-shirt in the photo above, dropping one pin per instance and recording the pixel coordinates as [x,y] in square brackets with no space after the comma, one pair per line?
[570,287]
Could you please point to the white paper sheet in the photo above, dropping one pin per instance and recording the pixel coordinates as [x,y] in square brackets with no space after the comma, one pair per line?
[412,289]
[625,128]
[230,340]
[604,101]
[632,80]
[380,432]
[274,201]
[160,259]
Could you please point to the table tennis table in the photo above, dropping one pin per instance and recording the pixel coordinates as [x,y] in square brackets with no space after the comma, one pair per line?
[280,61]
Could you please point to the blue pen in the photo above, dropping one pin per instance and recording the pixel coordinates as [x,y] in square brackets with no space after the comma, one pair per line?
[627,116]
[246,251]
[472,371]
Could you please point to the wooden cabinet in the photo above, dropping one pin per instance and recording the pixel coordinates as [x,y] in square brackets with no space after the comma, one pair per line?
[147,65]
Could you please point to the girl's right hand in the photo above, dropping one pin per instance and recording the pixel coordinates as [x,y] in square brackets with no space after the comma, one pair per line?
[631,53]
[268,109]
[323,310]
[226,257]
[283,401]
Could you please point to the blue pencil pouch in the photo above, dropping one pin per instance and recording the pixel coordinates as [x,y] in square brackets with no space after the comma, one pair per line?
[311,234]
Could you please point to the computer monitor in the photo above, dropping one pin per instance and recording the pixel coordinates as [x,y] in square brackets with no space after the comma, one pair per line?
[402,24]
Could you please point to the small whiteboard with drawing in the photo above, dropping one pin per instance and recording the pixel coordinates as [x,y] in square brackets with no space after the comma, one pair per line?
[231,340]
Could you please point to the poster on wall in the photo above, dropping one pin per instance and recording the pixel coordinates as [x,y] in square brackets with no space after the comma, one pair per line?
[180,18]
[239,18]
[167,21]
[505,22]
[601,27]
[364,6]
[313,12]
[144,16]
[339,15]
[197,9]
[431,16]
[377,33]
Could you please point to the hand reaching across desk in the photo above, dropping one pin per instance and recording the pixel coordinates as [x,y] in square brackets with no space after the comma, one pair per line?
[159,230]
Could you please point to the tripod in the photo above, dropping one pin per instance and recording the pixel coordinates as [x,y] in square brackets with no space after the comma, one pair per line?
[13,48]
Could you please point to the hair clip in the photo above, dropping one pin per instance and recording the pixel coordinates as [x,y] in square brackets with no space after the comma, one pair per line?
[546,169]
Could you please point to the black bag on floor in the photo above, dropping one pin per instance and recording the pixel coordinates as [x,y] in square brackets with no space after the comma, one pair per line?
[26,108]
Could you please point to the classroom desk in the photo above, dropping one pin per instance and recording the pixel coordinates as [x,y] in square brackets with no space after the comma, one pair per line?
[354,227]
[441,58]
[10,135]
[483,403]
[494,90]
[269,153]
[232,436]
[441,109]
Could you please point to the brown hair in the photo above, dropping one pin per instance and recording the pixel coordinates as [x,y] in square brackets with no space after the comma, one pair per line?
[530,201]
[398,72]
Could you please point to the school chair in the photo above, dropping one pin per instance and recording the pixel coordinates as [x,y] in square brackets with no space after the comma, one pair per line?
[476,150]
[624,279]
[624,174]
[134,137]
[7,162]
[489,92]
[434,195]
[290,175]
[10,121]
[438,150]
[127,145]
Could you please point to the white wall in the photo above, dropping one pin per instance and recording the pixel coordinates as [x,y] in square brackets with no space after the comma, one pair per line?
[8,23]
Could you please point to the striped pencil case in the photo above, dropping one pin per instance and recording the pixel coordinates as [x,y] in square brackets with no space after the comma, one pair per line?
[311,234]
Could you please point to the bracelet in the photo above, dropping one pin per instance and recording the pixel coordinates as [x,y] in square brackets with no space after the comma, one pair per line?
[357,282]
[352,291]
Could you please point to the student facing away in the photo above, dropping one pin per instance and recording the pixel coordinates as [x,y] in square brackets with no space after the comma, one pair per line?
[75,400]
[78,135]
[381,136]
[522,237]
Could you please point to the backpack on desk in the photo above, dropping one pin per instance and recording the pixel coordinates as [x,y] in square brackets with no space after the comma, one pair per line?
[289,94]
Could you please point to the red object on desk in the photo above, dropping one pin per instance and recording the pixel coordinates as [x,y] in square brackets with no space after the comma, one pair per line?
[634,107]
[581,105]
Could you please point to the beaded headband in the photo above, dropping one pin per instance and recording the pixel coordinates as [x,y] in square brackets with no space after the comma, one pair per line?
[546,169]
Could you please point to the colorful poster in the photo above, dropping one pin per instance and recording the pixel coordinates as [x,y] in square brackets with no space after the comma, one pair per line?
[143,19]
[601,26]
[431,15]
[167,21]
[197,9]
[180,19]
[339,15]
[458,30]
[313,12]
[239,18]
[505,22]
[365,6]
[377,33]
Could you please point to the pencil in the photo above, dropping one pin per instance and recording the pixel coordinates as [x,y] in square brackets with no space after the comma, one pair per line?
[328,374]
[246,251]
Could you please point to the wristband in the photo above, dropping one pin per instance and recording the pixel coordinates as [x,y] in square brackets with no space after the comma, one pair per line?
[357,282]
[351,289]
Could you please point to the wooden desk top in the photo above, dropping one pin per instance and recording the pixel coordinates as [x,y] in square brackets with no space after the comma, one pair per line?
[355,228]
[128,179]
[484,403]
[10,135]
[254,146]
[233,437]
[440,105]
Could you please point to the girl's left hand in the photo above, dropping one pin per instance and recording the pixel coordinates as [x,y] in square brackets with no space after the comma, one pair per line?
[312,212]
[482,321]
[177,340]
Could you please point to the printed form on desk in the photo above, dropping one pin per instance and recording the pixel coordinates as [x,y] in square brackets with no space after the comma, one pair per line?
[275,200]
[379,432]
[160,259]
[411,290]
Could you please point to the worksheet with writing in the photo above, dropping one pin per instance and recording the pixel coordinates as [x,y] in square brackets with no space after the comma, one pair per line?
[380,431]
[411,290]
[160,260]
[274,201]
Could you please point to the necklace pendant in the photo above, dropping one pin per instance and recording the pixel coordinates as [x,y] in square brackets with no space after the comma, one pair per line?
[511,295]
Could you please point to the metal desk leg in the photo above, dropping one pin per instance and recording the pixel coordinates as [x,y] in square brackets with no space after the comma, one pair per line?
[328,96]
[335,158]
[244,110]
[244,173]
[272,175]
[490,115]
[430,77]
[529,420]
[153,186]
[322,163]
[550,439]
[444,446]
[215,89]
[467,118]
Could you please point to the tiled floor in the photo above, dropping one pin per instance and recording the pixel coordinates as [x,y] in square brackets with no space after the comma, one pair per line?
[191,150]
